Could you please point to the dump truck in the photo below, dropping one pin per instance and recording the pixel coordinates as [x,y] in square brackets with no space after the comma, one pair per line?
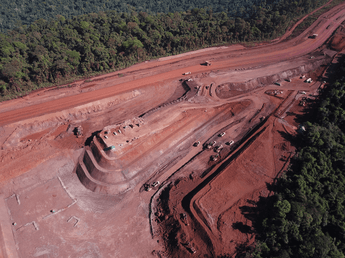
[186,73]
[210,145]
[230,142]
[207,63]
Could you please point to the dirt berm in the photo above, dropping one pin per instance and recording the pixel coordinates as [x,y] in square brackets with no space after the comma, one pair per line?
[231,89]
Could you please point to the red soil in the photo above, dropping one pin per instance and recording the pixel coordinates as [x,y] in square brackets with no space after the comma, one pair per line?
[216,196]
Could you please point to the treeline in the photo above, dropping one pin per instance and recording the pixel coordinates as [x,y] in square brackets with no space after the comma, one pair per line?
[16,12]
[306,215]
[59,49]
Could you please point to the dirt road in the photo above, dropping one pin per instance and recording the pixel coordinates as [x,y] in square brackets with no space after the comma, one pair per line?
[239,58]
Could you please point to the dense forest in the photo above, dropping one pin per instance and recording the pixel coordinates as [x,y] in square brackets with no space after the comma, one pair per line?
[16,12]
[50,52]
[306,215]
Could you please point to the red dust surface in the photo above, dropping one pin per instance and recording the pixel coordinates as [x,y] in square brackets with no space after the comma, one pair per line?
[201,197]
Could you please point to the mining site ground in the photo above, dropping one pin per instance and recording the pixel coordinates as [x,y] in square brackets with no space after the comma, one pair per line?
[87,195]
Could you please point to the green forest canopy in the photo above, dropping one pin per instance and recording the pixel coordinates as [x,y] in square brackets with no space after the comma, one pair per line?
[16,12]
[306,215]
[53,51]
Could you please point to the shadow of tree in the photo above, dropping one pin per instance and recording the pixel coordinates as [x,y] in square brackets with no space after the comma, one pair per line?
[242,227]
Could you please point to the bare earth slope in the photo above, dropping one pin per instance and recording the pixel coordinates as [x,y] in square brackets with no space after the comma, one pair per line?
[141,179]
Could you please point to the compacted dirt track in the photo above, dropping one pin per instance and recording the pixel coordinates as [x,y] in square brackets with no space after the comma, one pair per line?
[70,195]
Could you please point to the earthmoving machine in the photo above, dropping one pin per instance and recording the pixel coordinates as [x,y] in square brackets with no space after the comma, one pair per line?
[148,187]
[230,143]
[302,103]
[78,131]
[189,247]
[154,184]
[186,73]
[210,145]
[183,217]
[112,147]
[215,157]
[196,144]
[218,148]
[222,134]
[207,63]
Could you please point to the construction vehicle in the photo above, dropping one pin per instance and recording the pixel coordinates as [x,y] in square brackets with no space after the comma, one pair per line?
[230,143]
[147,187]
[191,249]
[302,76]
[78,131]
[218,148]
[207,63]
[196,144]
[112,147]
[309,80]
[222,134]
[215,157]
[210,145]
[277,83]
[183,217]
[314,36]
[186,73]
[154,184]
